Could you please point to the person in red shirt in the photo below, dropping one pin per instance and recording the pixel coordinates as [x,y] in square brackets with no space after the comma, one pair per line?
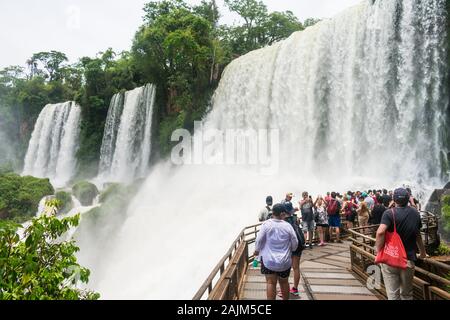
[349,208]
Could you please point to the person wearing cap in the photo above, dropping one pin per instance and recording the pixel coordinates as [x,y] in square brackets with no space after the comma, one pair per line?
[290,210]
[398,282]
[266,213]
[274,245]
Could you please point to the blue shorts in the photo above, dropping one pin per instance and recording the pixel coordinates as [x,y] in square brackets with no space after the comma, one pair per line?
[334,221]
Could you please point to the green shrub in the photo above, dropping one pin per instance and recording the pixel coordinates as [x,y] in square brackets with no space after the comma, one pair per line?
[20,196]
[85,192]
[442,250]
[107,219]
[6,168]
[65,201]
[40,268]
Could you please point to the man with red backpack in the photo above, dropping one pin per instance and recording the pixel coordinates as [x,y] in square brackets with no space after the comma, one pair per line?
[404,221]
[334,217]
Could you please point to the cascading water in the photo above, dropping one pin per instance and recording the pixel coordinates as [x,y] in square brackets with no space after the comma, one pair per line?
[110,135]
[126,146]
[54,142]
[359,101]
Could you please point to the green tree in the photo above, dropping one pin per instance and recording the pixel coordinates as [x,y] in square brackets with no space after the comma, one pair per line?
[20,196]
[40,266]
[210,11]
[255,16]
[51,61]
[260,28]
[310,22]
[177,49]
[279,26]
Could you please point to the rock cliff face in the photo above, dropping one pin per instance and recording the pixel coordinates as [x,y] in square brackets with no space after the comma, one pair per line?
[435,205]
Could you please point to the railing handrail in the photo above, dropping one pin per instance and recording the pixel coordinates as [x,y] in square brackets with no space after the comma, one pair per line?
[369,248]
[220,267]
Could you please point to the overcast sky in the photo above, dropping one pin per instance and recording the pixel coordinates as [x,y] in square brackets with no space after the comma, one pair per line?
[85,27]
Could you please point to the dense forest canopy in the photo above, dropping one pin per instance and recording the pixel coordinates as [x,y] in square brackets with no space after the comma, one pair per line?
[182,49]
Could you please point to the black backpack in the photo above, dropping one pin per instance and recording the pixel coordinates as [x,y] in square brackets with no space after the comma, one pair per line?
[300,237]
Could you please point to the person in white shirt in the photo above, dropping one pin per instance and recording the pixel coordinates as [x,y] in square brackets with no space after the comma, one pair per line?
[274,246]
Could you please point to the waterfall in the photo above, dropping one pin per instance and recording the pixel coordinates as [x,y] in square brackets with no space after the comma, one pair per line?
[126,145]
[110,134]
[53,144]
[358,101]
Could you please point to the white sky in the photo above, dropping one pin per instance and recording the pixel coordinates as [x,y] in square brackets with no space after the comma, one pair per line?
[85,27]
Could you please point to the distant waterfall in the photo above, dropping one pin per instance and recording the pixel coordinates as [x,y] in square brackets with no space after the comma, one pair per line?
[110,134]
[126,145]
[54,142]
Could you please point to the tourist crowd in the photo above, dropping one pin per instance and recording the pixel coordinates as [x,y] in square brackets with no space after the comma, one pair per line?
[285,234]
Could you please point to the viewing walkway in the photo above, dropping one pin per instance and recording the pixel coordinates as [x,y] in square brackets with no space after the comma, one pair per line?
[325,275]
[337,271]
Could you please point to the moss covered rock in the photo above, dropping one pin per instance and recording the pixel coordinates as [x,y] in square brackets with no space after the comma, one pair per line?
[65,201]
[85,192]
[20,196]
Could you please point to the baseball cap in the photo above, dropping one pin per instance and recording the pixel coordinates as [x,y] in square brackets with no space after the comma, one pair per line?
[279,209]
[269,200]
[289,208]
[400,194]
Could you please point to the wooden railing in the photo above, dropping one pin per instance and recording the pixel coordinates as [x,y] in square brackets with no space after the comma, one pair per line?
[231,270]
[430,282]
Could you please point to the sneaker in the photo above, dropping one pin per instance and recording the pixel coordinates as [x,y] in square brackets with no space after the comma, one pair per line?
[294,291]
[321,244]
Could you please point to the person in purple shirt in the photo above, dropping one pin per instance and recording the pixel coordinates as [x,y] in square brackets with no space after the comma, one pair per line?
[274,246]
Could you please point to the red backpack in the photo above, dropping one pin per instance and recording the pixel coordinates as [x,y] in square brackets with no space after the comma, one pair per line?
[393,253]
[332,207]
